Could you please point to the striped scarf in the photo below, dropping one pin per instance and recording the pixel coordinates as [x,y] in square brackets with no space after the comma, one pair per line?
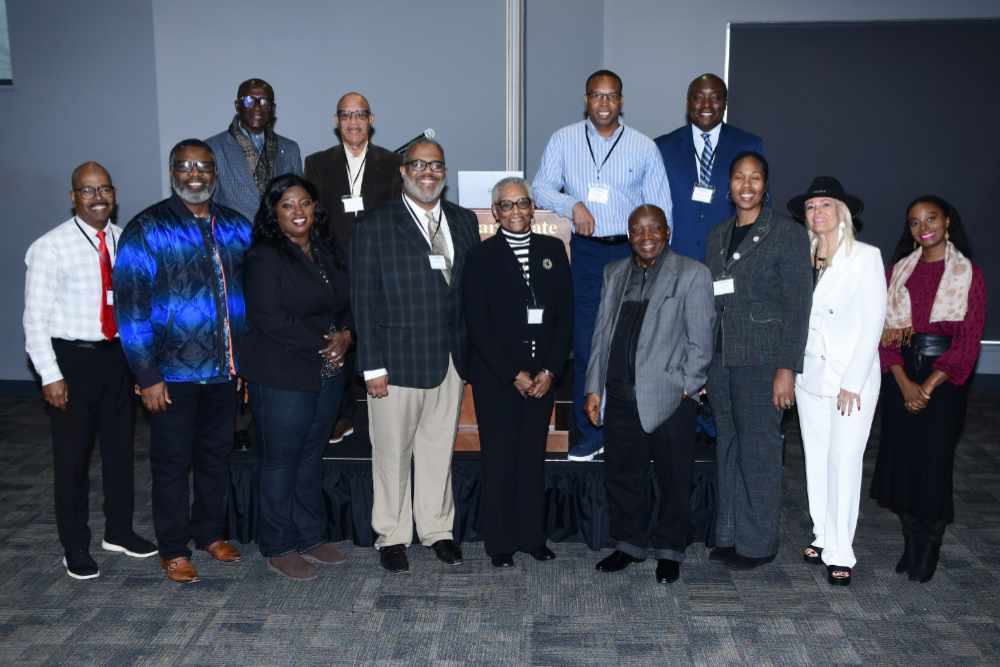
[259,163]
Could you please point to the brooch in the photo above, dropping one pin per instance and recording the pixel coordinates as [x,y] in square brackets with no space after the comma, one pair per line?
[547,263]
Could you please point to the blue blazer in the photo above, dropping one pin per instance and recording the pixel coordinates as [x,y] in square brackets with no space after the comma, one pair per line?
[693,220]
[236,188]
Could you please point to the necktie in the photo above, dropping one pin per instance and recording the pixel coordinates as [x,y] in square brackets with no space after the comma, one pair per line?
[705,161]
[439,246]
[108,326]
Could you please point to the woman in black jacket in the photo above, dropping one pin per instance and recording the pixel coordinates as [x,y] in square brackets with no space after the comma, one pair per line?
[299,322]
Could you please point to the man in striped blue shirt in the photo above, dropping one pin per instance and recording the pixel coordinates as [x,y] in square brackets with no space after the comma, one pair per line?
[596,172]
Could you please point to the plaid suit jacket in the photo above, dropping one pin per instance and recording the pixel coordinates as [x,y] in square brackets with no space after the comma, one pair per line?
[408,319]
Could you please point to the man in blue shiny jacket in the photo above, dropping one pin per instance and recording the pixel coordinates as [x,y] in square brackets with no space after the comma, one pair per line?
[178,293]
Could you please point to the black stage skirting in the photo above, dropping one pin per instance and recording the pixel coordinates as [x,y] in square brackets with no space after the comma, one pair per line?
[576,508]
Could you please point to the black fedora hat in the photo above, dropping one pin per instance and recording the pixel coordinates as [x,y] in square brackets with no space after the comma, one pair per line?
[824,186]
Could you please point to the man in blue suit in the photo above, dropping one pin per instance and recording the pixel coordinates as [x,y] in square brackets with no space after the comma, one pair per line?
[249,153]
[697,158]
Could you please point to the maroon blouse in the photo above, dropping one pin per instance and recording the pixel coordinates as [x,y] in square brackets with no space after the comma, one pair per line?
[960,359]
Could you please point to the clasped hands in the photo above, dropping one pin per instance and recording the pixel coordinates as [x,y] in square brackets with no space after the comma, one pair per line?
[915,396]
[533,387]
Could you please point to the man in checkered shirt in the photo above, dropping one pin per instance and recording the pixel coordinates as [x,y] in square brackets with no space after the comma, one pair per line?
[72,340]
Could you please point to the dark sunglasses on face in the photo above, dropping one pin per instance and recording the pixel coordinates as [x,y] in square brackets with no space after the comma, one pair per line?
[250,101]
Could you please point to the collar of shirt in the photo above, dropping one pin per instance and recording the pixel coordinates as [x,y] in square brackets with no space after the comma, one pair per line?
[594,134]
[699,143]
[257,139]
[421,212]
[110,235]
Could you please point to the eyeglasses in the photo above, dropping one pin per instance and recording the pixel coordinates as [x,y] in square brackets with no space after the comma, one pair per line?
[354,115]
[250,101]
[605,97]
[437,166]
[187,166]
[88,192]
[506,205]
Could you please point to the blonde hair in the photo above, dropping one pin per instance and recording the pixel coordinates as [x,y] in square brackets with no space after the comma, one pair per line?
[845,232]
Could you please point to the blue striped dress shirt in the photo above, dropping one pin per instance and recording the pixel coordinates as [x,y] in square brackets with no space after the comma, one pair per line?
[634,175]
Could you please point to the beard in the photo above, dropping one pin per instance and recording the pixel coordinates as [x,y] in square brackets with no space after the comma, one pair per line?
[192,196]
[421,194]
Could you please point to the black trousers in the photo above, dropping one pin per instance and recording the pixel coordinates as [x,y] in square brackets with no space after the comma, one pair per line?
[512,435]
[101,404]
[194,434]
[627,453]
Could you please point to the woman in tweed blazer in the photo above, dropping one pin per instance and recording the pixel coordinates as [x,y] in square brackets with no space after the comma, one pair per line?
[763,292]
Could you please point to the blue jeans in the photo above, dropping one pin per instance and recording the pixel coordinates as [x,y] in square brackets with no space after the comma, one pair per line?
[587,266]
[293,429]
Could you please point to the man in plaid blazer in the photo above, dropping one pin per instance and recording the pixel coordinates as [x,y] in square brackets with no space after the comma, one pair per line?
[406,273]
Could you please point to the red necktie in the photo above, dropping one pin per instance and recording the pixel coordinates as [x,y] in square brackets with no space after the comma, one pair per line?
[108,326]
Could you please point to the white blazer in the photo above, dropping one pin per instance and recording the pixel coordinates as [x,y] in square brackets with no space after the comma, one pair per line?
[848,313]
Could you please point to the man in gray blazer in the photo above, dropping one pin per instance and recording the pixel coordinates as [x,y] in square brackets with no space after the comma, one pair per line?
[650,355]
[249,153]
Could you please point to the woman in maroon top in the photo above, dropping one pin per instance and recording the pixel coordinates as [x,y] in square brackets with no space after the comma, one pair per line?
[934,325]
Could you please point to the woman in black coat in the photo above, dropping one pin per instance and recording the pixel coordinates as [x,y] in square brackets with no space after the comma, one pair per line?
[299,322]
[518,301]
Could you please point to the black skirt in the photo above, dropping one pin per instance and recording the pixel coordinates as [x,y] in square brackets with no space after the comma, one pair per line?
[916,454]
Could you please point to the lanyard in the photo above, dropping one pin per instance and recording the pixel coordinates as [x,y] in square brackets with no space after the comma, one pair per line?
[114,241]
[351,181]
[420,225]
[586,134]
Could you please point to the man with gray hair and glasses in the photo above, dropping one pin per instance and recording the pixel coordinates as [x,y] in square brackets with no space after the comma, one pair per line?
[406,275]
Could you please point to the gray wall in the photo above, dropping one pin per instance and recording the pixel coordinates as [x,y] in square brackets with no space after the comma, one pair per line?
[658,46]
[85,89]
[562,48]
[437,64]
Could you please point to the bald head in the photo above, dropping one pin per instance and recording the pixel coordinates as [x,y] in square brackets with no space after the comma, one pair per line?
[354,121]
[706,101]
[93,194]
[351,99]
[87,168]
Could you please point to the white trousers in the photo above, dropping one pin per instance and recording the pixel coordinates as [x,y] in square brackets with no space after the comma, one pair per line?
[418,426]
[834,447]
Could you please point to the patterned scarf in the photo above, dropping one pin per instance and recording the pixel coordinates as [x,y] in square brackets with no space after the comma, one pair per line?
[259,163]
[950,301]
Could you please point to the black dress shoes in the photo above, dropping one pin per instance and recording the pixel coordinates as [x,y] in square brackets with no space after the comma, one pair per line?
[393,558]
[542,553]
[721,554]
[667,571]
[617,561]
[503,560]
[738,562]
[447,552]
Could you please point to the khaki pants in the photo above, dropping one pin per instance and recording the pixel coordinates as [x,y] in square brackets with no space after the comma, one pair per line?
[417,425]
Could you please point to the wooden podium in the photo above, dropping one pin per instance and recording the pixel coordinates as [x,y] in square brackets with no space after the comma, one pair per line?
[549,224]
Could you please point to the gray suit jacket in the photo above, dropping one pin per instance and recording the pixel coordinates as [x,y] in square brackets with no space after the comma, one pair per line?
[675,343]
[766,321]
[236,188]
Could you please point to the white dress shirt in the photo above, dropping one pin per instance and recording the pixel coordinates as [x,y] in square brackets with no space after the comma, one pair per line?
[699,144]
[63,291]
[356,169]
[418,215]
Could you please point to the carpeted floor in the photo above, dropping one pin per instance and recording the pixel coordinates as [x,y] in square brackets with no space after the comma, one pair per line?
[561,612]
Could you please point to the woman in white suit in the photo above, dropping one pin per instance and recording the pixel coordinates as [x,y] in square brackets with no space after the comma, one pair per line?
[839,384]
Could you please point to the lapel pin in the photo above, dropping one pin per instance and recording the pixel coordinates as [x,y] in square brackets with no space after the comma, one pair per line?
[736,255]
[547,263]
[756,238]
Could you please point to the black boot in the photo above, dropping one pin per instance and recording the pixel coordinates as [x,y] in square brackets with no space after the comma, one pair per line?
[926,560]
[906,560]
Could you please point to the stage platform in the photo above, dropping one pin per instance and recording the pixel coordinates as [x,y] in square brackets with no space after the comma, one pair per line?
[575,500]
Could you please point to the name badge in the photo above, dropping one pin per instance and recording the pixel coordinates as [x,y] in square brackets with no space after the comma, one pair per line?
[535,315]
[702,193]
[598,193]
[109,298]
[724,286]
[353,204]
[438,262]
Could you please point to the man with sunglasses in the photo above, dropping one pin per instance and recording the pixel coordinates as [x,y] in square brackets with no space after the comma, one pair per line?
[72,339]
[249,153]
[353,179]
[407,260]
[596,172]
[180,310]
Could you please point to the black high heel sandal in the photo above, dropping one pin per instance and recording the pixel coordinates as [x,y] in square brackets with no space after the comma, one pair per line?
[812,555]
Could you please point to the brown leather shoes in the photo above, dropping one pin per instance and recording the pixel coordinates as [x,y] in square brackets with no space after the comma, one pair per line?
[180,570]
[223,551]
[324,554]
